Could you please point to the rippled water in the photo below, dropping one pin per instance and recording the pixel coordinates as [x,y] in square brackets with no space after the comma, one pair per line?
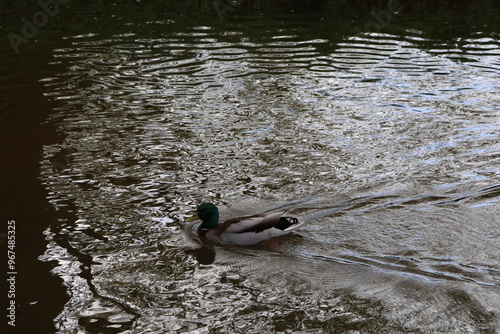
[387,145]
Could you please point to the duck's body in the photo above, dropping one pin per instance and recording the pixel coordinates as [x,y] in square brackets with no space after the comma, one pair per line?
[245,231]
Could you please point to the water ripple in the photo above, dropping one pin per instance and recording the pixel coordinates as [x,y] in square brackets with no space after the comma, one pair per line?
[385,145]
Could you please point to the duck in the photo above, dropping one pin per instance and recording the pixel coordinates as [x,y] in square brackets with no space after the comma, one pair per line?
[243,231]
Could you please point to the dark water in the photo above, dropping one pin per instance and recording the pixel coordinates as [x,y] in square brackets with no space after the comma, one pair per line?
[378,127]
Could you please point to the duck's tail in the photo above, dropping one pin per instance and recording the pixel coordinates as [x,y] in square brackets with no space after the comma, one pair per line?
[287,223]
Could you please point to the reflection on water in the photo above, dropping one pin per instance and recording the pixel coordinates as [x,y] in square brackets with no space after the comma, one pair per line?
[387,144]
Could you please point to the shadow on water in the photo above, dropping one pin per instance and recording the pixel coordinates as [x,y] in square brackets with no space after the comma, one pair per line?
[102,312]
[377,125]
[38,295]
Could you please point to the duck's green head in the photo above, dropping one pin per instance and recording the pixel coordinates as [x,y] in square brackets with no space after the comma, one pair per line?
[209,215]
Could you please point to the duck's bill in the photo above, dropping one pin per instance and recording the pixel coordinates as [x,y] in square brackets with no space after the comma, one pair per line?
[190,219]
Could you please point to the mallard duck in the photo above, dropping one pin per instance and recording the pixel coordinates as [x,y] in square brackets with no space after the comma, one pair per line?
[244,231]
